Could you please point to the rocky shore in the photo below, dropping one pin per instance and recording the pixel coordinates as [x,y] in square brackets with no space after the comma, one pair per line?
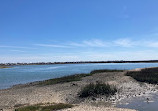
[29,94]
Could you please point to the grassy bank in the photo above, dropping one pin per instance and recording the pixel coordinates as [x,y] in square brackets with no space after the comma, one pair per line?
[105,70]
[97,89]
[46,107]
[76,77]
[149,75]
[2,67]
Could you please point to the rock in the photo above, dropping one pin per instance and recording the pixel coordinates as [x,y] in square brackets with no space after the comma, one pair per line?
[94,99]
[73,84]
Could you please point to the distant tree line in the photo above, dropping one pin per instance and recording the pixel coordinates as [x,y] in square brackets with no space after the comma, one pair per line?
[79,62]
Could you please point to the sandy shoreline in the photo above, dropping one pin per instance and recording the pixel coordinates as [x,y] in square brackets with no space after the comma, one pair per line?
[30,94]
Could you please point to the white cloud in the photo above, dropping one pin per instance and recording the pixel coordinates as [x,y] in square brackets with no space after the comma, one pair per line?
[124,43]
[90,43]
[17,47]
[77,44]
[95,43]
[52,45]
[17,51]
[85,43]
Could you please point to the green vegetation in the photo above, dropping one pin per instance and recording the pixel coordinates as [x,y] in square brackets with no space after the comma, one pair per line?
[105,70]
[71,78]
[53,107]
[97,89]
[2,67]
[149,75]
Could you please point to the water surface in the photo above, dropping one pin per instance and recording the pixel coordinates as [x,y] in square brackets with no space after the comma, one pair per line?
[30,73]
[141,103]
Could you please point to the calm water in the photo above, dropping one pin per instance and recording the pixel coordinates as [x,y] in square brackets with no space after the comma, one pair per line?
[30,73]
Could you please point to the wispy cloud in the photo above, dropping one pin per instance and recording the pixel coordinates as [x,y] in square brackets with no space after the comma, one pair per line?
[76,44]
[125,42]
[90,43]
[85,43]
[97,43]
[122,42]
[52,45]
[17,51]
[18,47]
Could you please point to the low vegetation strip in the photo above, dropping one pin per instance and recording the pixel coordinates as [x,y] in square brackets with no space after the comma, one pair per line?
[53,107]
[2,67]
[97,89]
[105,70]
[149,75]
[71,78]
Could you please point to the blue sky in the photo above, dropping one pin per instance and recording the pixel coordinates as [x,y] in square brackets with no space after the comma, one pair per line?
[78,30]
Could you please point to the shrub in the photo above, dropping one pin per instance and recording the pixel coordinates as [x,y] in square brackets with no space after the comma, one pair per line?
[97,89]
[149,75]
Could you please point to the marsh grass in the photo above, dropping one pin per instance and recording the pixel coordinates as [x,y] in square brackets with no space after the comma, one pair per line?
[39,107]
[65,79]
[149,75]
[2,67]
[97,89]
[76,77]
[105,70]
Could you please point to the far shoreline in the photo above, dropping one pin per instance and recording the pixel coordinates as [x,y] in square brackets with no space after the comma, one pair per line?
[77,62]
